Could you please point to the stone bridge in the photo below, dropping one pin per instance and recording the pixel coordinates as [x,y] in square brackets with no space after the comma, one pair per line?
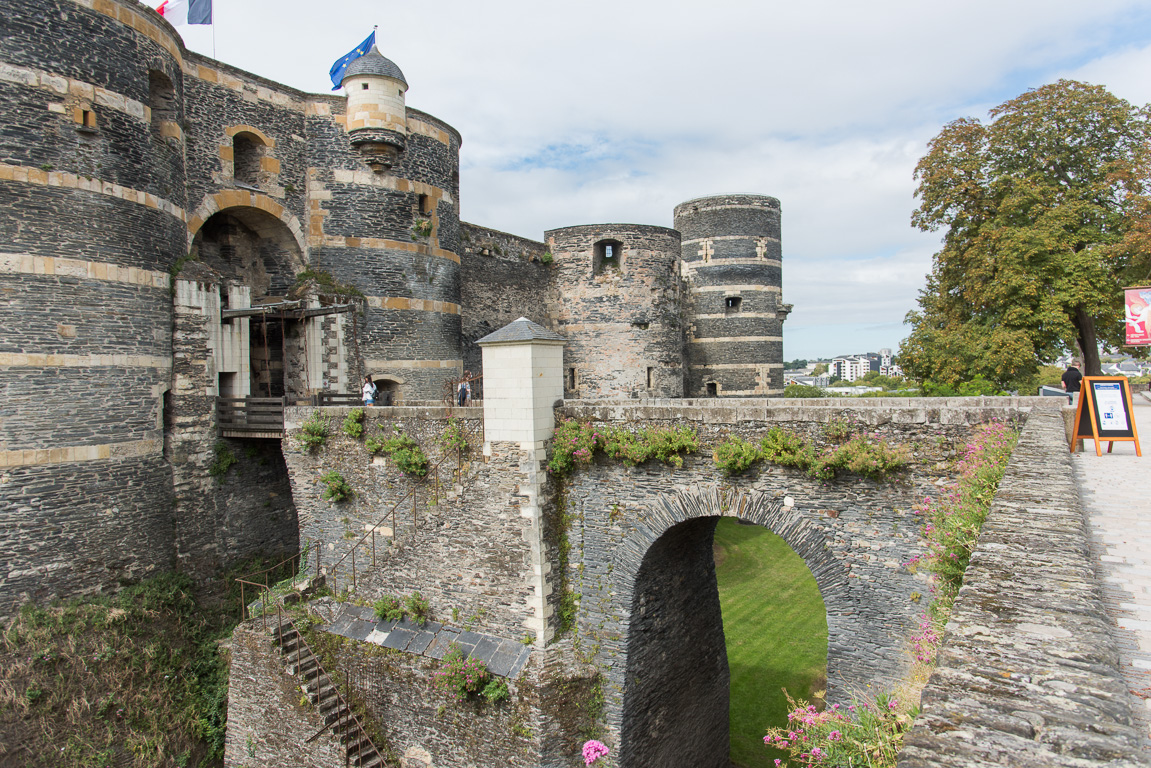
[505,554]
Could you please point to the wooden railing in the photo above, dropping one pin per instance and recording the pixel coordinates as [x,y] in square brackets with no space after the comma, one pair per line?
[250,416]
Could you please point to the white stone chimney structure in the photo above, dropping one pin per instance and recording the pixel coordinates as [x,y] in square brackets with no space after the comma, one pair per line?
[523,382]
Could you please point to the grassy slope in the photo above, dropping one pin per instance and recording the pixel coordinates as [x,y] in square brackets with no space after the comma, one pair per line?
[776,630]
[132,679]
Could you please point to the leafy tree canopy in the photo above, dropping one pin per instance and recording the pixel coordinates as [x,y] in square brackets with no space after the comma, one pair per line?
[1046,215]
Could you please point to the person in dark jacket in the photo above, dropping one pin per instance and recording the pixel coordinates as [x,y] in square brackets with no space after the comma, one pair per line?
[1072,379]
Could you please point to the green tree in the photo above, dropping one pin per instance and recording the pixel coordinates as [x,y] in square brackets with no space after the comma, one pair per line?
[1045,215]
[819,370]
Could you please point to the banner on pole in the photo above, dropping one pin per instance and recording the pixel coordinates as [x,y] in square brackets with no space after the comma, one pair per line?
[1137,307]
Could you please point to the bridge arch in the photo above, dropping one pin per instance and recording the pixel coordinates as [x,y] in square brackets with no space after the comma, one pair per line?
[676,680]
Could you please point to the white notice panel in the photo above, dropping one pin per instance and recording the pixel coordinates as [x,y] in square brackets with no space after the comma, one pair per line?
[1109,401]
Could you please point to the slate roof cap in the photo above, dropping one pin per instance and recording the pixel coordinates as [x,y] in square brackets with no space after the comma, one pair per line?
[374,63]
[521,330]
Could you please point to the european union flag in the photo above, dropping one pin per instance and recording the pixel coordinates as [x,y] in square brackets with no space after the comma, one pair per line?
[337,71]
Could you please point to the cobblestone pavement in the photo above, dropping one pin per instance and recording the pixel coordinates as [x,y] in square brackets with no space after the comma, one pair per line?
[1115,490]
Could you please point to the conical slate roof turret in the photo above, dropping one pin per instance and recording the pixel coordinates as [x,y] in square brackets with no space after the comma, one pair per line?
[374,63]
[521,330]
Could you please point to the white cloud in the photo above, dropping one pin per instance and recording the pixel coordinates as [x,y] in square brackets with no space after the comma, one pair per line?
[576,113]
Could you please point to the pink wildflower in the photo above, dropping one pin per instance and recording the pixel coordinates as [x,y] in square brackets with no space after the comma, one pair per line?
[593,750]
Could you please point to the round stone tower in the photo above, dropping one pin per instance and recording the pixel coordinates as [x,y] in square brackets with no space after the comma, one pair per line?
[389,225]
[620,310]
[376,112]
[732,271]
[92,189]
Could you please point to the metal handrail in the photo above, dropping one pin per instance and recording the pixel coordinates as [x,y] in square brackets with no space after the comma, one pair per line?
[392,513]
[265,586]
[343,703]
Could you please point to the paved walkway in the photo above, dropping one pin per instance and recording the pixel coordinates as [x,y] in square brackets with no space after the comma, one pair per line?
[1115,490]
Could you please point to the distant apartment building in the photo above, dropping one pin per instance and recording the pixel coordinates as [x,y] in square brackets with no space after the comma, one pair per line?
[852,368]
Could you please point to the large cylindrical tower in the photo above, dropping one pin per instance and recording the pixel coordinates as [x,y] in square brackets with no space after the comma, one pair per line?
[620,310]
[92,189]
[385,219]
[732,270]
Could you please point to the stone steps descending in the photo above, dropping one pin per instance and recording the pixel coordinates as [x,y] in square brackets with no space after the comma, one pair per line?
[342,725]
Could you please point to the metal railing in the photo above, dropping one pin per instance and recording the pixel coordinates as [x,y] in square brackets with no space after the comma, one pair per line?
[344,712]
[432,476]
[262,581]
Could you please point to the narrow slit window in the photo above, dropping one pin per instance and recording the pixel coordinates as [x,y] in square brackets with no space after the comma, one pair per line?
[732,303]
[650,377]
[607,256]
[712,389]
[571,378]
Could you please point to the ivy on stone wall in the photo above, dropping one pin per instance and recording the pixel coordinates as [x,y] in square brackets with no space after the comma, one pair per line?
[859,454]
[576,443]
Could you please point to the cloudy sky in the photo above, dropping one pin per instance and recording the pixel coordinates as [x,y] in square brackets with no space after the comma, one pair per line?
[615,111]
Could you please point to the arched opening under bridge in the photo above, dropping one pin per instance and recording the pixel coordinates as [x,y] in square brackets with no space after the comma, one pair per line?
[678,691]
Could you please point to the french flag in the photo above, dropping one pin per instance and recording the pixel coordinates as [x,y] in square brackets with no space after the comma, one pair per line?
[180,12]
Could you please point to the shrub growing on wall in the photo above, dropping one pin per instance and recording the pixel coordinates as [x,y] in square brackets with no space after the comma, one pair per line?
[860,454]
[354,423]
[576,443]
[314,431]
[409,458]
[336,487]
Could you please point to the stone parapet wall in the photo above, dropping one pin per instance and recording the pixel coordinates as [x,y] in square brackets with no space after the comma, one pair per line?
[870,411]
[1028,672]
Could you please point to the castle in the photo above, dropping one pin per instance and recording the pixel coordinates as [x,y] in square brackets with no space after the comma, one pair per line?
[173,230]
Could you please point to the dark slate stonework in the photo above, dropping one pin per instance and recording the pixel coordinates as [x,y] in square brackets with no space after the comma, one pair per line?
[54,222]
[1028,674]
[714,230]
[83,527]
[99,316]
[501,280]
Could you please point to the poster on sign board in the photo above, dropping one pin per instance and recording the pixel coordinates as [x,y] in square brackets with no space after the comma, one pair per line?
[1137,306]
[1110,403]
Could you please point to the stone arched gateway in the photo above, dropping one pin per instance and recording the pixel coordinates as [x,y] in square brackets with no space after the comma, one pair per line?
[675,700]
[649,617]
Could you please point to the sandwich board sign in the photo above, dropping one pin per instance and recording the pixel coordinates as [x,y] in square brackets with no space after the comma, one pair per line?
[1105,413]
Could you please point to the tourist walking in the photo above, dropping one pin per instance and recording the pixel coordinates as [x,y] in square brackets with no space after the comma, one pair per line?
[369,391]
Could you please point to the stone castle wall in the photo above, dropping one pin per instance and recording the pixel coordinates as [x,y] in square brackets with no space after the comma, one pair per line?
[502,279]
[461,547]
[621,313]
[127,160]
[86,355]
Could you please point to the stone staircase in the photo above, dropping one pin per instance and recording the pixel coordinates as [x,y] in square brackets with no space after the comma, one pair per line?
[339,720]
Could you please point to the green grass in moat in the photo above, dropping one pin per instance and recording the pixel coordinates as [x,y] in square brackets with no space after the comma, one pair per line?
[776,631]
